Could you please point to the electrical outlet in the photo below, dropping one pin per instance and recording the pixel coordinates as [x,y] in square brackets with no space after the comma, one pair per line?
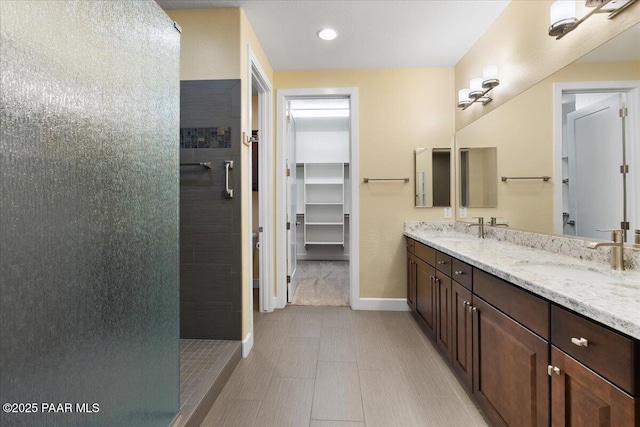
[463,212]
[447,213]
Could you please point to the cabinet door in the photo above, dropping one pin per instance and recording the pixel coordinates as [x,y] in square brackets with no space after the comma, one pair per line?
[411,281]
[443,313]
[581,398]
[426,296]
[461,333]
[510,380]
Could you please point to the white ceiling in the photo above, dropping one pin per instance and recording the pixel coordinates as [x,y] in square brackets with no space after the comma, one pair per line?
[371,34]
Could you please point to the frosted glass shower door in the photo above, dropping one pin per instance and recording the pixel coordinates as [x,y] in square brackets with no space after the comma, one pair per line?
[89,213]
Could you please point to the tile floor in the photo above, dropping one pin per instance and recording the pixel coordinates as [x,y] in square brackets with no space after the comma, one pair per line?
[323,283]
[201,363]
[330,366]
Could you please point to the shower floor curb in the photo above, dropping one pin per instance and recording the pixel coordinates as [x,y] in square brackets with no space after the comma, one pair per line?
[192,414]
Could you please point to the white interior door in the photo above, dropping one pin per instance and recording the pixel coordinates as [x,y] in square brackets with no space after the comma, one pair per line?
[292,250]
[595,155]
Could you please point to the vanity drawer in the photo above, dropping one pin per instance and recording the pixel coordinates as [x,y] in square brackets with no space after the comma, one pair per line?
[443,263]
[411,245]
[528,309]
[462,273]
[608,353]
[425,253]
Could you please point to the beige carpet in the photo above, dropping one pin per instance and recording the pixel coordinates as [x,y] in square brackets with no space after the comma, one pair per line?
[322,283]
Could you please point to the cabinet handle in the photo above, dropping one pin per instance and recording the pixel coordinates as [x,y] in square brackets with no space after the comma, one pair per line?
[442,262]
[470,308]
[580,342]
[464,303]
[553,370]
[458,273]
[432,278]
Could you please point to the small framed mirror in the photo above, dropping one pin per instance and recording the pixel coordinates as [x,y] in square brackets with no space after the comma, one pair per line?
[478,177]
[433,177]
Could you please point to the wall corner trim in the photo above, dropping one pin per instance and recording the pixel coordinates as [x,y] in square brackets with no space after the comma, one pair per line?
[247,345]
[383,304]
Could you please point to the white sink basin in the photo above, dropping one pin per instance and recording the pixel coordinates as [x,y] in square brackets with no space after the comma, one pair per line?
[565,271]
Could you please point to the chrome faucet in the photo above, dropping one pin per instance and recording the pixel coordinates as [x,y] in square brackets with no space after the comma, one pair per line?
[617,249]
[480,225]
[494,222]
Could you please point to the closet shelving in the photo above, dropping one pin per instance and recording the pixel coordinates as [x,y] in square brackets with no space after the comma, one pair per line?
[324,204]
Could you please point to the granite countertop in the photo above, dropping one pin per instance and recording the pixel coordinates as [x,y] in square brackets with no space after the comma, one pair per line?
[591,289]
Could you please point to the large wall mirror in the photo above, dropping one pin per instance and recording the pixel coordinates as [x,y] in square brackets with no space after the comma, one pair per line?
[433,177]
[568,127]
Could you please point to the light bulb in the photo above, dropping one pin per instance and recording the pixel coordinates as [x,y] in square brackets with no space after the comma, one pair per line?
[463,97]
[490,76]
[561,10]
[475,87]
[327,34]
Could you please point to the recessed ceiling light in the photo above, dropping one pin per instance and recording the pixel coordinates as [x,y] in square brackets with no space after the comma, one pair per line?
[327,34]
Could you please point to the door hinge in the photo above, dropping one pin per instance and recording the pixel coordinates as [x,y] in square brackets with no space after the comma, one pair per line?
[624,168]
[624,225]
[288,279]
[288,226]
[260,230]
[623,112]
[288,118]
[288,172]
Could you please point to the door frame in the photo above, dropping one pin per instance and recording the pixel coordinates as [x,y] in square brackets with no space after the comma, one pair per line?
[632,90]
[282,97]
[265,186]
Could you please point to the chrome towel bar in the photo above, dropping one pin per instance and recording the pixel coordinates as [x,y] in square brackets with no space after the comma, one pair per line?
[205,164]
[366,180]
[544,178]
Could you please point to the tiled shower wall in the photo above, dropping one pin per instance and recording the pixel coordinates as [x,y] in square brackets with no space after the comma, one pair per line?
[89,213]
[210,254]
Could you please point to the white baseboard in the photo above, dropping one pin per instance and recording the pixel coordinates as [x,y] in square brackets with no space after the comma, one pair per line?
[247,345]
[383,304]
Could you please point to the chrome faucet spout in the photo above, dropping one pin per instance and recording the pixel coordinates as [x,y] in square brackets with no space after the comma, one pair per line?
[480,225]
[617,248]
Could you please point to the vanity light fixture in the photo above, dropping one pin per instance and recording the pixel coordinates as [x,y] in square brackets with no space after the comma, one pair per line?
[479,88]
[563,14]
[327,34]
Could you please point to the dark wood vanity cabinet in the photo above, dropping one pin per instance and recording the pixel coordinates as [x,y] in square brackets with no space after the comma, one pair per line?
[461,333]
[510,380]
[582,398]
[443,313]
[411,278]
[594,374]
[426,297]
[521,357]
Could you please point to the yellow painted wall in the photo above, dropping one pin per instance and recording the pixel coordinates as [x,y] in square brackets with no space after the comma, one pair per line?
[399,109]
[522,131]
[209,43]
[518,43]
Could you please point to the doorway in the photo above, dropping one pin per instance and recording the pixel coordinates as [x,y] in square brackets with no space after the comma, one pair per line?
[317,205]
[260,199]
[596,154]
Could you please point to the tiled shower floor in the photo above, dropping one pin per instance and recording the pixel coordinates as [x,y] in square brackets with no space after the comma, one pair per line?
[201,364]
